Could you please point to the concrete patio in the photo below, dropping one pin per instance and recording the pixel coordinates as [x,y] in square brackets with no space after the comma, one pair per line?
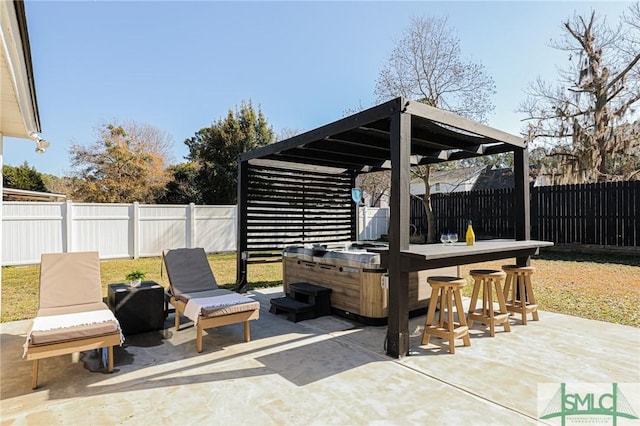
[323,371]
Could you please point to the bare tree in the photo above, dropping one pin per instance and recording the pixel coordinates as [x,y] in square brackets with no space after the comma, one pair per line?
[376,185]
[586,119]
[286,133]
[427,66]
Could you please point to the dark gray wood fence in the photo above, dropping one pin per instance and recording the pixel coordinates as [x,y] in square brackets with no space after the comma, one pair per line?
[605,214]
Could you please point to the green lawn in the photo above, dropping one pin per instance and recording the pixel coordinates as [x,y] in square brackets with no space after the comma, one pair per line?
[20,283]
[605,288]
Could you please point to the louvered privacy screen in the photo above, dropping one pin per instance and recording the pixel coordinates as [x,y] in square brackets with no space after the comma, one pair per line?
[291,206]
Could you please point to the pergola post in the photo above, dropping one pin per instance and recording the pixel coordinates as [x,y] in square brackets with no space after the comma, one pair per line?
[398,320]
[521,201]
[241,216]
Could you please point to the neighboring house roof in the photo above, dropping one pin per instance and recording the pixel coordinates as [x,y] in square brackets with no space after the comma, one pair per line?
[12,194]
[494,179]
[453,178]
[20,117]
[479,178]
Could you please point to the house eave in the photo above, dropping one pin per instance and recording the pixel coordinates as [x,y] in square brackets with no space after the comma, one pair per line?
[20,116]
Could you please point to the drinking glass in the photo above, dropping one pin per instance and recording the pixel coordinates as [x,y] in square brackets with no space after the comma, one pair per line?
[444,238]
[453,238]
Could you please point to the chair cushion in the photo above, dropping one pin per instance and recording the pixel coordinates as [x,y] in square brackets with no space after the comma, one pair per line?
[58,335]
[184,297]
[73,309]
[218,311]
[188,271]
[56,287]
[67,334]
[251,305]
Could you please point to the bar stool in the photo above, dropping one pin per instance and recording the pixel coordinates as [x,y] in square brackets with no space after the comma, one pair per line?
[488,280]
[518,283]
[447,291]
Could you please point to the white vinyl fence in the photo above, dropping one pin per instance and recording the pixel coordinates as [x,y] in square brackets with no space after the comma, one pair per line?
[374,222]
[129,230]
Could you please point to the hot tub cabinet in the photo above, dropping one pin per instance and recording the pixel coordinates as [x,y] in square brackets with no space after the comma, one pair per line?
[358,284]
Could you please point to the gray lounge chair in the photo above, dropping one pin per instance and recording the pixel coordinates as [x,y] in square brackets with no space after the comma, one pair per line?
[195,293]
[71,315]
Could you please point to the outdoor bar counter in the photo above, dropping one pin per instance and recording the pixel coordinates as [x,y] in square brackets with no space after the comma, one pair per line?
[420,257]
[359,285]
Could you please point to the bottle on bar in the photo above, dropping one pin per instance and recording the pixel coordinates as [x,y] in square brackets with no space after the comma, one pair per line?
[471,236]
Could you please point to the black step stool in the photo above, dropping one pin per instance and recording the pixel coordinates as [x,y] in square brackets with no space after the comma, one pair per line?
[312,294]
[295,310]
[304,301]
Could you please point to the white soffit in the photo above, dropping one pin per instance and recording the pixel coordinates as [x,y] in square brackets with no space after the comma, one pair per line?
[18,112]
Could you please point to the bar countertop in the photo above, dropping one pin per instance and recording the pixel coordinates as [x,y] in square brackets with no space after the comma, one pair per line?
[427,256]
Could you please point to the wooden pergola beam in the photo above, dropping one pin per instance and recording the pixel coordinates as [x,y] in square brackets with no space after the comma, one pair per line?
[450,119]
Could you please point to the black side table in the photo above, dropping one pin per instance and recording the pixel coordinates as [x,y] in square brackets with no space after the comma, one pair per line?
[138,309]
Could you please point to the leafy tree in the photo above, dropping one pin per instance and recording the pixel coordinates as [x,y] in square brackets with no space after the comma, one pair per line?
[22,177]
[182,188]
[215,150]
[124,165]
[427,66]
[57,184]
[585,120]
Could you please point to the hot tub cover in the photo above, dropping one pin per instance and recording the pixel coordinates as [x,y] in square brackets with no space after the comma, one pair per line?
[351,257]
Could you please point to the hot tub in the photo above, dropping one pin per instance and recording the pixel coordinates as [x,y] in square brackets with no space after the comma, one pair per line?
[358,283]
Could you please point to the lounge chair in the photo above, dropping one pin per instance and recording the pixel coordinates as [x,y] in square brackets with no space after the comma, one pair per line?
[195,293]
[71,315]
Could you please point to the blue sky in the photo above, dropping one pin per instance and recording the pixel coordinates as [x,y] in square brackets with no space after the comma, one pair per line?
[179,66]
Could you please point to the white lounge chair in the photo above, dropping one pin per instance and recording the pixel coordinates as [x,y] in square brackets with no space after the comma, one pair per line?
[71,315]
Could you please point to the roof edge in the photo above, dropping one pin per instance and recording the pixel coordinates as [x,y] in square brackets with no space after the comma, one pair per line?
[350,122]
[18,56]
[21,16]
[453,120]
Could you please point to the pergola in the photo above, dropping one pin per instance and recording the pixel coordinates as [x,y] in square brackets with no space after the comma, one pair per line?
[295,187]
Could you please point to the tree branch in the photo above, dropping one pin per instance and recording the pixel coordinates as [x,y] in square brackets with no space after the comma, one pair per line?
[624,72]
[627,104]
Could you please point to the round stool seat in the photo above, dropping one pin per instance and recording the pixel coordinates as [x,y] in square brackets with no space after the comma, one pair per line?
[494,273]
[516,268]
[455,282]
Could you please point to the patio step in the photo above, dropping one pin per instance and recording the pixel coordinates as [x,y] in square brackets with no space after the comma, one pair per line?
[304,301]
[295,310]
[315,295]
